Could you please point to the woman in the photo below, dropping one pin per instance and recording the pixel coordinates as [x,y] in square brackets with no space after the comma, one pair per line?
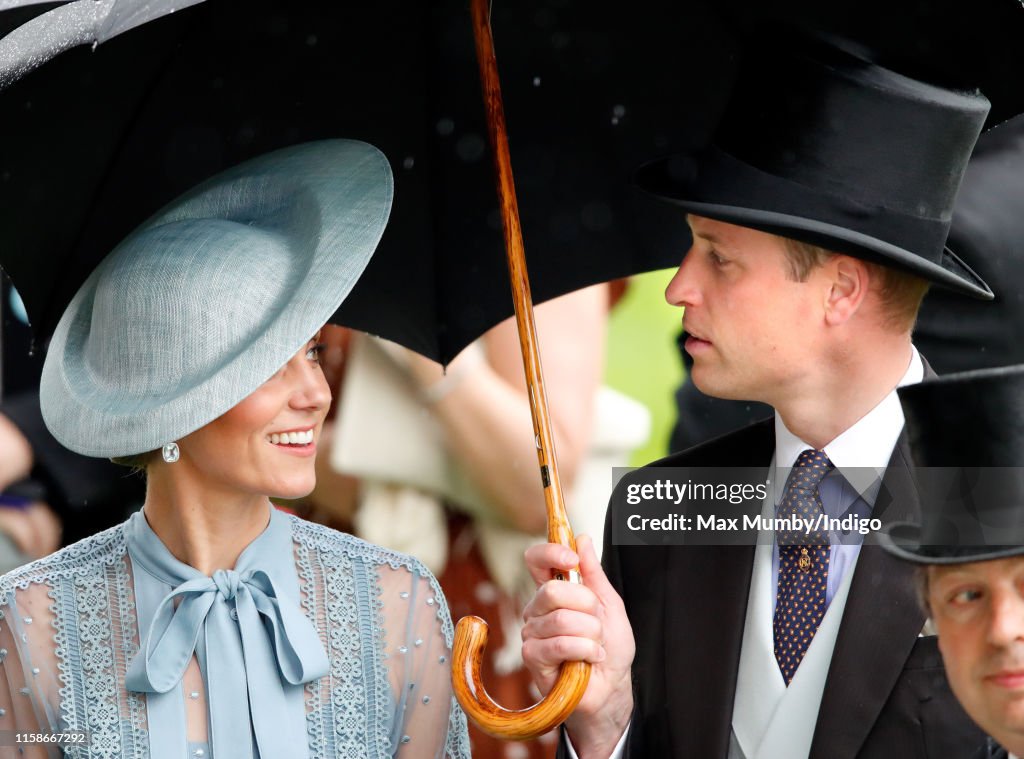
[210,624]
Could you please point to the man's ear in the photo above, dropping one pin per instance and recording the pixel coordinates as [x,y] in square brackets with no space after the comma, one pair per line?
[847,280]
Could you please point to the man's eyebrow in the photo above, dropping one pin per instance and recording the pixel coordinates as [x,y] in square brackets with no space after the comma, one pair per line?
[952,574]
[703,235]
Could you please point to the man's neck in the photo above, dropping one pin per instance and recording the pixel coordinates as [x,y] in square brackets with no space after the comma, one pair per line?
[842,394]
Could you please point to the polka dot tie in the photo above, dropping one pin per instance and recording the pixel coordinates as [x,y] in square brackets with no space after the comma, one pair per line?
[803,564]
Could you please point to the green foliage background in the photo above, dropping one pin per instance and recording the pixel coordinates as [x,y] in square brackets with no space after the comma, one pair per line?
[642,360]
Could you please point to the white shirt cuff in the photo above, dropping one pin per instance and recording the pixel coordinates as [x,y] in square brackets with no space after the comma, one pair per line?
[617,752]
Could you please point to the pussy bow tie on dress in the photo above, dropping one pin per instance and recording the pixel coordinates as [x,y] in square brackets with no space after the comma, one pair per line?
[256,639]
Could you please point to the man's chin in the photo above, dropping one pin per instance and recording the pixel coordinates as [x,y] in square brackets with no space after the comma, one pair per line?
[1005,723]
[713,384]
[1009,736]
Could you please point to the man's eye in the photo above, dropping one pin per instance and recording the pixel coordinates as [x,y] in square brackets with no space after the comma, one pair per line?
[314,352]
[716,259]
[965,596]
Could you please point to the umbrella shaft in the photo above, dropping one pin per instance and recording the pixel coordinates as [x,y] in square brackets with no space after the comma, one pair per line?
[559,530]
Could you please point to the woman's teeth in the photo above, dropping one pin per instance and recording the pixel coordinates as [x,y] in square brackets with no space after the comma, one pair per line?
[292,438]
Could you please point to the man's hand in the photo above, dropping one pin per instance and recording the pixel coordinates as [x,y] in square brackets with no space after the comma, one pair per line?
[567,622]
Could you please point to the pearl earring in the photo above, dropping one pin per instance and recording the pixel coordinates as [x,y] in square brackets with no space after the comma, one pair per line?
[171,453]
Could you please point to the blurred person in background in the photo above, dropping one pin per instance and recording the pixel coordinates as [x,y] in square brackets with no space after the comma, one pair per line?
[441,464]
[49,496]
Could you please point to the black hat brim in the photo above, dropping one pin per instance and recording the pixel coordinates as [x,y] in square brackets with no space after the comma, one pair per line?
[903,540]
[660,179]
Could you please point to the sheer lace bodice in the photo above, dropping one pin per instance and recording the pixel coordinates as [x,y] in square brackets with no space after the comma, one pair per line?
[71,629]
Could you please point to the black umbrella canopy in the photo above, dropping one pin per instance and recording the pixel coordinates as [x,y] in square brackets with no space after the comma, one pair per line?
[961,45]
[97,140]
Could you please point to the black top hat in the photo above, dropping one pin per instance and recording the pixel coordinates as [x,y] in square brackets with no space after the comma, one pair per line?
[821,145]
[966,435]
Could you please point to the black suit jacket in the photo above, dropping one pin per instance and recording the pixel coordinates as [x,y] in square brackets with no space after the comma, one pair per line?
[886,694]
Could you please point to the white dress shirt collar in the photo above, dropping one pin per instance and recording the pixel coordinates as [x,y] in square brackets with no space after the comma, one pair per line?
[865,446]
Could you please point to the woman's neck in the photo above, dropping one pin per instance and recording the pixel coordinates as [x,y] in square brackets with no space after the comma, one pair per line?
[205,529]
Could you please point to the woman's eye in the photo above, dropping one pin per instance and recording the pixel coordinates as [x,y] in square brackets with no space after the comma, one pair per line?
[314,352]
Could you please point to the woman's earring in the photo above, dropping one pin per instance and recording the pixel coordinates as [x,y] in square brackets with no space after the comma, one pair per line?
[171,453]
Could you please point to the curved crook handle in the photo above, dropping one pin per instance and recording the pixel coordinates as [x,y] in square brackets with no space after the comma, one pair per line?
[523,724]
[471,642]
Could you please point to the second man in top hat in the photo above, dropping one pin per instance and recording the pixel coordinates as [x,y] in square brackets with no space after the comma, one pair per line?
[966,434]
[819,218]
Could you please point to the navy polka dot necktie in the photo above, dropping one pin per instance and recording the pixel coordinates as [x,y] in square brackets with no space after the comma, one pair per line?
[803,563]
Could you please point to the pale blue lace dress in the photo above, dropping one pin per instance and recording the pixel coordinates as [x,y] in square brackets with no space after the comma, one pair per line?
[316,645]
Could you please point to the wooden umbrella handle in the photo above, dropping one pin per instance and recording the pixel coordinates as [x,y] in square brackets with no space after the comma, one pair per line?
[471,632]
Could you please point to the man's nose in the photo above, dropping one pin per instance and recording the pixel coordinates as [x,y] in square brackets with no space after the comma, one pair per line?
[682,288]
[1007,621]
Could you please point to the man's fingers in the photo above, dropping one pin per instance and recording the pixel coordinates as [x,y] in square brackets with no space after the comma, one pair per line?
[546,655]
[561,622]
[543,558]
[593,574]
[556,594]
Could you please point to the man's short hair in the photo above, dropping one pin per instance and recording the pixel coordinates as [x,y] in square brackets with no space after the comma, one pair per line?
[901,292]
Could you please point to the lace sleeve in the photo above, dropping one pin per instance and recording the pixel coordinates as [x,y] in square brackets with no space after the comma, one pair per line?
[28,673]
[418,635]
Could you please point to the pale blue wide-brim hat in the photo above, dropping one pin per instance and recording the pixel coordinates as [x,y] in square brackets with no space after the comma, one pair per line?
[206,300]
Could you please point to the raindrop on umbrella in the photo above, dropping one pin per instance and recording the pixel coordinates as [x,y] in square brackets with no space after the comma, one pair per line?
[559,40]
[470,147]
[445,126]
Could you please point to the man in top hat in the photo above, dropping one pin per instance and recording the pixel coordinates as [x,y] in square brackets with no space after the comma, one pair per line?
[819,216]
[956,334]
[965,433]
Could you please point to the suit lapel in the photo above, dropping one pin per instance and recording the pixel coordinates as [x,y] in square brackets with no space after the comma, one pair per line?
[706,592]
[869,658]
[702,644]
